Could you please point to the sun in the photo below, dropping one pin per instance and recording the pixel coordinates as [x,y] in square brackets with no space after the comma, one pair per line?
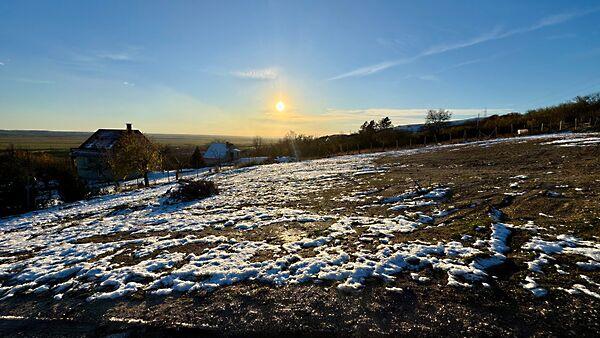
[280,106]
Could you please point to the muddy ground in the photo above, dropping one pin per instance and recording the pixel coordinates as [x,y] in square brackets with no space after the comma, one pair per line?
[561,194]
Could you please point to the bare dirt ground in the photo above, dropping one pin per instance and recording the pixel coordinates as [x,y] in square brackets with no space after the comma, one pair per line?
[558,192]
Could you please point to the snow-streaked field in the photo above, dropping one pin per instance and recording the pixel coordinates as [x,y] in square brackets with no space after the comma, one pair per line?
[76,248]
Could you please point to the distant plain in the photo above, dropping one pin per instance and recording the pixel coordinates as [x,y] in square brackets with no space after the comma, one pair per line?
[60,141]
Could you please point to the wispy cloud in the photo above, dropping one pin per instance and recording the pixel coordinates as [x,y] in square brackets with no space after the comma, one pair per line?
[350,119]
[116,56]
[495,34]
[400,41]
[128,84]
[1,63]
[125,53]
[104,56]
[424,77]
[271,73]
[34,81]
[401,115]
[562,36]
[434,75]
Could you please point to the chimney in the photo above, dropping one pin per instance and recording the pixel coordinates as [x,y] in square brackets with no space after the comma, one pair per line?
[128,127]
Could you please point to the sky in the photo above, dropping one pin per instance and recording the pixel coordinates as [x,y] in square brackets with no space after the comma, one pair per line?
[220,67]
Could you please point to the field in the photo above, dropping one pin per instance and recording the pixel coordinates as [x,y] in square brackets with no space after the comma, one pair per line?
[61,141]
[497,237]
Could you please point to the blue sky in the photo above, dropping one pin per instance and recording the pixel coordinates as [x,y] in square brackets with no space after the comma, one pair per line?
[219,67]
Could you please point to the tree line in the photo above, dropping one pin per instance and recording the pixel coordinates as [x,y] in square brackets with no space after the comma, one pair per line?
[580,113]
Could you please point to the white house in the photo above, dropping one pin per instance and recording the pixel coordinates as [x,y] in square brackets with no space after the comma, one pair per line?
[221,153]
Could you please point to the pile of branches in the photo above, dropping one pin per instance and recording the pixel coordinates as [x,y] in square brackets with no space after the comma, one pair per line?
[189,190]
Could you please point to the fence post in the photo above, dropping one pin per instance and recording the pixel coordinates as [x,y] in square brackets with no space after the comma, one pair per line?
[542,127]
[560,126]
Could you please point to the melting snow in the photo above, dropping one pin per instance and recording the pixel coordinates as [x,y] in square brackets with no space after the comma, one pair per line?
[116,245]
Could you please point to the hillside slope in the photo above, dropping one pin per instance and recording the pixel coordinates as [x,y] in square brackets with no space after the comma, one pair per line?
[494,237]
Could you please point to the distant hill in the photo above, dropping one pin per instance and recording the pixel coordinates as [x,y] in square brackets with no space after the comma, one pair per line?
[64,140]
[415,128]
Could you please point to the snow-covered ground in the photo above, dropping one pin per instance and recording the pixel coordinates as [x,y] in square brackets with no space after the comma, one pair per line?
[73,247]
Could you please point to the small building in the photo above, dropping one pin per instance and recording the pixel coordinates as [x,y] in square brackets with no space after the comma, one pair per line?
[221,153]
[91,158]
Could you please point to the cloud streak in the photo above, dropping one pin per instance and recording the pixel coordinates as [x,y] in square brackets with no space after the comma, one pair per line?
[434,75]
[128,53]
[34,81]
[119,56]
[264,74]
[495,34]
[401,115]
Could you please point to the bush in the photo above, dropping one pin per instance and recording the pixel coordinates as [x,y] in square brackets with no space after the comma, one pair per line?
[193,190]
[18,189]
[71,188]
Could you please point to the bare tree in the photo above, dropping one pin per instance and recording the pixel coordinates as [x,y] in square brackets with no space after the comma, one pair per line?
[170,160]
[134,154]
[257,144]
[436,120]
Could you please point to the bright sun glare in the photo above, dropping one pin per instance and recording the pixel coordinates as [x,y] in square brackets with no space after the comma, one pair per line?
[280,106]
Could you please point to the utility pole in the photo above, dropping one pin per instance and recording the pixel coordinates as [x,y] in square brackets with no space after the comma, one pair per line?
[478,131]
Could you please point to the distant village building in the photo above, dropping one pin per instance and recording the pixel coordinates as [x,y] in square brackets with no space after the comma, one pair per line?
[221,153]
[90,158]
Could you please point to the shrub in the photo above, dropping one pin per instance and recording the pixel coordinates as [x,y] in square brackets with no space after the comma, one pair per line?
[71,188]
[193,190]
